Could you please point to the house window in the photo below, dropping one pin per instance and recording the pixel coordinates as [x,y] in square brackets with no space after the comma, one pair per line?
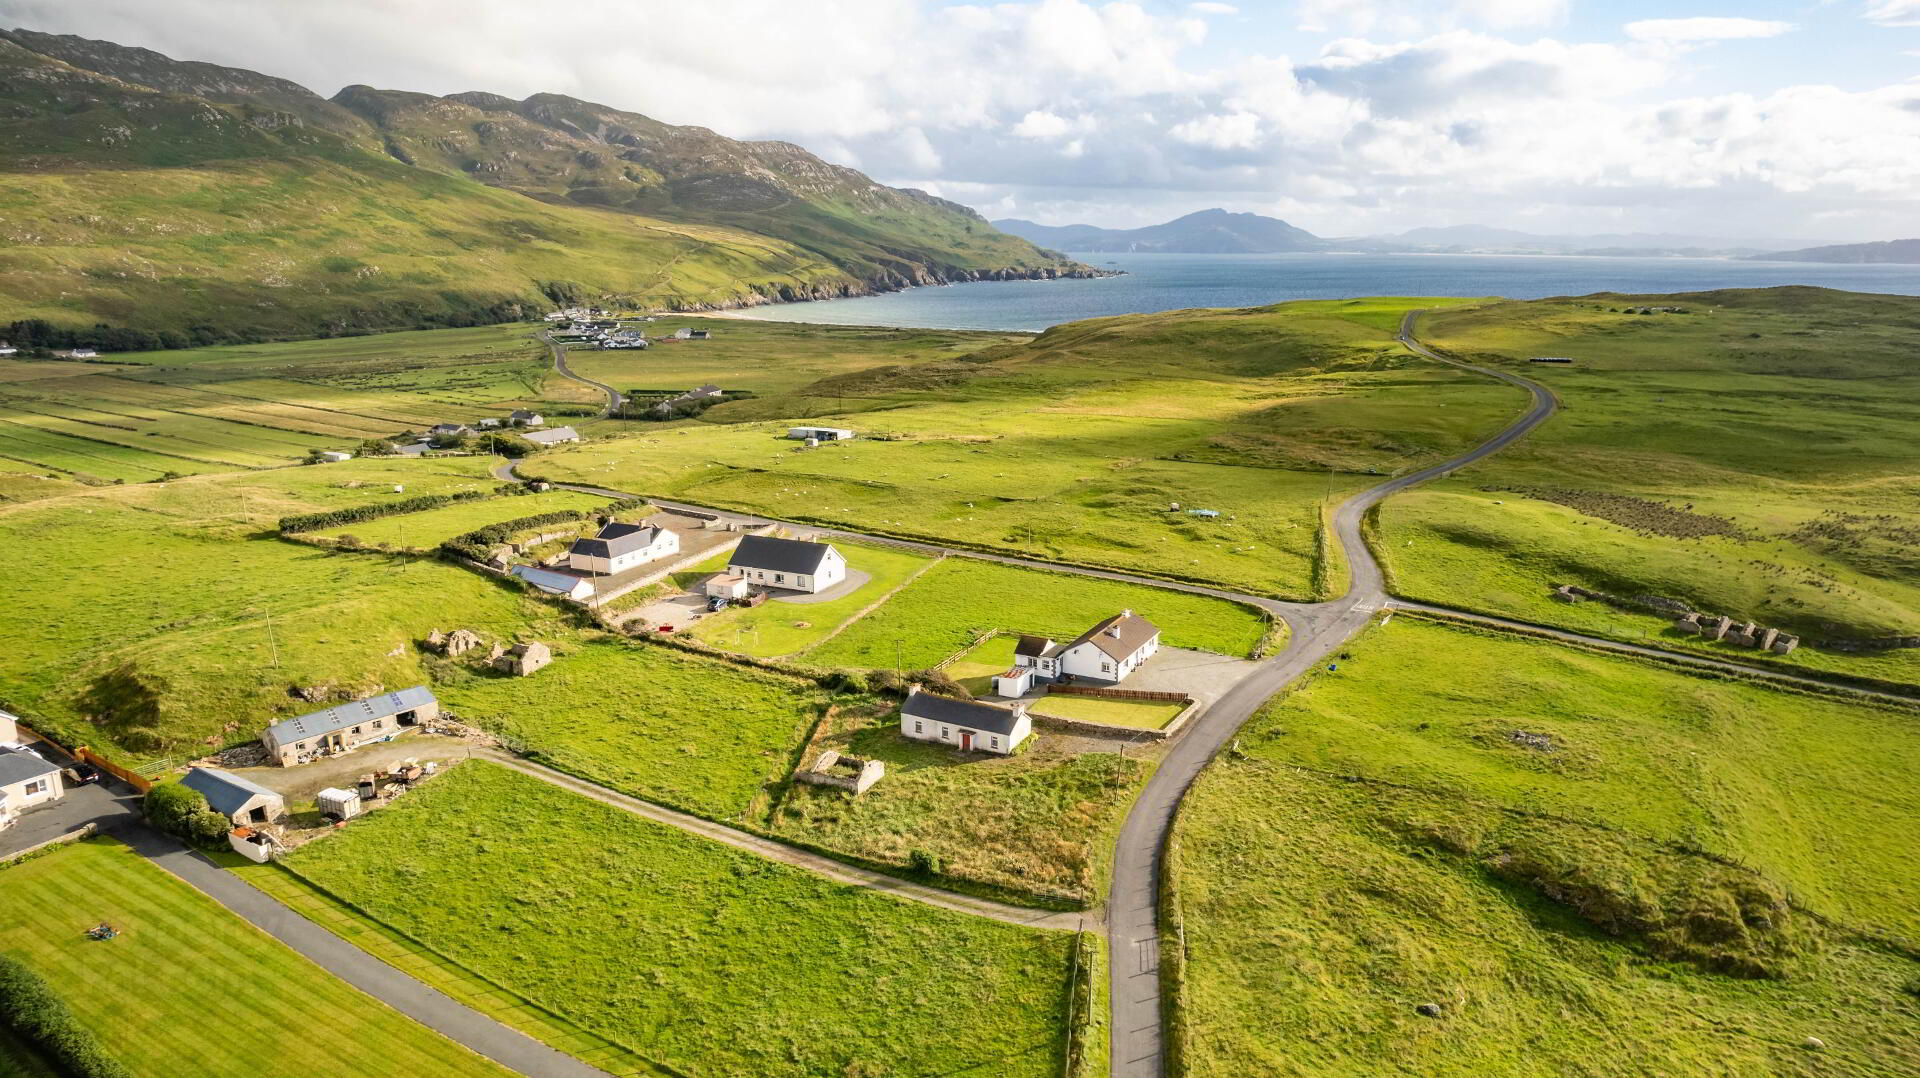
[916,726]
[38,786]
[945,733]
[356,729]
[779,578]
[378,723]
[994,741]
[1106,668]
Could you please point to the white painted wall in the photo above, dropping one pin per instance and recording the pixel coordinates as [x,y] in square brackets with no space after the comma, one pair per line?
[947,733]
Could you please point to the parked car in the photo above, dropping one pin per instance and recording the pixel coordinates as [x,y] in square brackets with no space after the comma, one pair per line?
[80,774]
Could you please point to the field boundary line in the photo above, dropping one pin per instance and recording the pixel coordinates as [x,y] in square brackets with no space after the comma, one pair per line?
[865,610]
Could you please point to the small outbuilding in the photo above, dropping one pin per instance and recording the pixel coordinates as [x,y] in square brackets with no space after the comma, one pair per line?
[727,586]
[577,588]
[335,456]
[345,727]
[792,564]
[820,434]
[555,436]
[521,660]
[238,799]
[967,725]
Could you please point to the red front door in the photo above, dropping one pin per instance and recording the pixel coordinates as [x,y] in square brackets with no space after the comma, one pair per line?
[966,741]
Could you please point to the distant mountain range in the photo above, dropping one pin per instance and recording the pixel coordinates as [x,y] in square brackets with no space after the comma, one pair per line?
[1886,251]
[178,202]
[1219,232]
[1205,232]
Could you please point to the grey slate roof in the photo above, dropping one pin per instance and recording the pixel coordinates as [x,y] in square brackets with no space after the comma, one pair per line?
[341,716]
[616,539]
[552,435]
[971,714]
[547,579]
[779,555]
[224,790]
[1036,647]
[18,766]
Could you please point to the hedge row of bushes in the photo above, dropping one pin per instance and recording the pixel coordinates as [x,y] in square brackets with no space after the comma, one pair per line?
[477,544]
[29,1008]
[183,812]
[354,514]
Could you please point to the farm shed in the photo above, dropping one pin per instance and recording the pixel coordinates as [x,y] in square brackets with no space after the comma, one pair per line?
[345,727]
[552,437]
[967,725]
[820,434]
[27,780]
[335,456]
[619,547]
[241,800]
[555,583]
[793,564]
[1108,652]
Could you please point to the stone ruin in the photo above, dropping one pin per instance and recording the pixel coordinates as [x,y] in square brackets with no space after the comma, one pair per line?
[520,660]
[1746,635]
[846,772]
[457,642]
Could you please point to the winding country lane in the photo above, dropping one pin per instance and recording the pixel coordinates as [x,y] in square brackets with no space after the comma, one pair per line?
[1133,900]
[614,397]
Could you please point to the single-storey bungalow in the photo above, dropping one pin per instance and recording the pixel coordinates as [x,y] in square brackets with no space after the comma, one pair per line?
[345,727]
[1108,652]
[238,799]
[492,422]
[335,456]
[820,434]
[27,780]
[793,564]
[555,583]
[552,437]
[620,547]
[967,725]
[521,417]
[449,430]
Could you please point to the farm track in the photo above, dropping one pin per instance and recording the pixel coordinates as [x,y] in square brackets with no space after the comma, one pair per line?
[614,397]
[838,871]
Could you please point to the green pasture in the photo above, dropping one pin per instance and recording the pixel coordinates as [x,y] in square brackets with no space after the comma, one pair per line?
[189,990]
[646,936]
[776,627]
[1139,714]
[429,528]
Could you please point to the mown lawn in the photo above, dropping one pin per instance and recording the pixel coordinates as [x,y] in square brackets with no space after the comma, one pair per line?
[953,603]
[1592,865]
[712,960]
[1035,823]
[776,628]
[695,733]
[1140,714]
[190,990]
[428,529]
[977,667]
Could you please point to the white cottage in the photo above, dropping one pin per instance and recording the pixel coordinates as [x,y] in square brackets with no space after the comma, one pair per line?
[792,564]
[27,780]
[1107,653]
[967,725]
[820,434]
[620,547]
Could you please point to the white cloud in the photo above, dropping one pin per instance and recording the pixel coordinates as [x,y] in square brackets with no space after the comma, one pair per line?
[1894,12]
[1233,131]
[1040,124]
[1209,8]
[1410,17]
[1705,28]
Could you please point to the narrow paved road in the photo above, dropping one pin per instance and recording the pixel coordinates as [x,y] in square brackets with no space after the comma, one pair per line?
[838,871]
[458,1022]
[614,397]
[1133,902]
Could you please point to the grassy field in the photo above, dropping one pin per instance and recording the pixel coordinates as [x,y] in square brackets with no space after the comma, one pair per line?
[648,936]
[776,628]
[1075,445]
[176,621]
[1140,714]
[190,990]
[956,601]
[1035,823]
[1751,458]
[695,733]
[428,529]
[976,667]
[1591,865]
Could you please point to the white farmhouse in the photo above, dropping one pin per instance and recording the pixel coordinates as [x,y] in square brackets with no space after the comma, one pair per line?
[27,780]
[967,725]
[620,547]
[793,564]
[1107,653]
[521,417]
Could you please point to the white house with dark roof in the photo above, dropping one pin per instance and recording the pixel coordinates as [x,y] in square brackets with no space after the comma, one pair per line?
[238,799]
[345,727]
[792,564]
[967,725]
[27,780]
[553,436]
[521,417]
[619,547]
[1107,653]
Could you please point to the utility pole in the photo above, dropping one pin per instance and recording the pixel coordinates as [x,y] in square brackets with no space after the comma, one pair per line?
[899,664]
[272,642]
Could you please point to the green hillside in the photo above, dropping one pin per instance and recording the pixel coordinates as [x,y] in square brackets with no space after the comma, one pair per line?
[191,204]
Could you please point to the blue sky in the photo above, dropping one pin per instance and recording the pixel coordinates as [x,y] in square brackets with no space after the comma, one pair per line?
[1755,119]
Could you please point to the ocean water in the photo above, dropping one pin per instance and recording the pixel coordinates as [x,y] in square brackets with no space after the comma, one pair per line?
[1160,282]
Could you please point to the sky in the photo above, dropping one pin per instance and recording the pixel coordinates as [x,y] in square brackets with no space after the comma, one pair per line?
[1755,119]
